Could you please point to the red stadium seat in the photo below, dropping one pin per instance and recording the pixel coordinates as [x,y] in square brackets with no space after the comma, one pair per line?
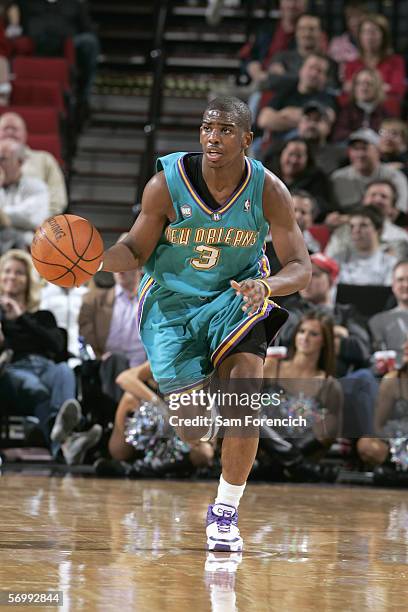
[43,69]
[46,142]
[42,120]
[29,92]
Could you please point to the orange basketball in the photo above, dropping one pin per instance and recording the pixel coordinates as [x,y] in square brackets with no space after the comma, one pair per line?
[67,250]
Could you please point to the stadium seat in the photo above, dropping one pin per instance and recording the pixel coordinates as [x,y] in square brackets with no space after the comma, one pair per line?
[42,120]
[30,92]
[47,142]
[367,299]
[43,69]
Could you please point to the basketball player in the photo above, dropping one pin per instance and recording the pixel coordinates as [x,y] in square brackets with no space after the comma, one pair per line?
[204,303]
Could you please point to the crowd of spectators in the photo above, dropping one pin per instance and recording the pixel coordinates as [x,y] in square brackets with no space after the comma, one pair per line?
[327,115]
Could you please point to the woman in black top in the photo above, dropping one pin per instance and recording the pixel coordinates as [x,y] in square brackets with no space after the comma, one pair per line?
[42,386]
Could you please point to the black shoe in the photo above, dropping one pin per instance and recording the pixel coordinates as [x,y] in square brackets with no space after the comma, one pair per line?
[385,476]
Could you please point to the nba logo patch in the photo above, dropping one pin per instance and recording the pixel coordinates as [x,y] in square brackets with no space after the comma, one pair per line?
[247,205]
[186,211]
[216,217]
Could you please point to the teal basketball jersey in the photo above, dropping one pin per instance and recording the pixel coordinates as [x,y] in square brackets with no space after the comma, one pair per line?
[203,249]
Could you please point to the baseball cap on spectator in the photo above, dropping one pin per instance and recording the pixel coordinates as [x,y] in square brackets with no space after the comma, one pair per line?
[326,264]
[365,135]
[314,106]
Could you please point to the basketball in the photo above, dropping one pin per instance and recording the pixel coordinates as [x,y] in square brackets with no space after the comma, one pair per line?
[67,250]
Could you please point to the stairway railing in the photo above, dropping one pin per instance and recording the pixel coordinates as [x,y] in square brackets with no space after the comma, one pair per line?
[157,59]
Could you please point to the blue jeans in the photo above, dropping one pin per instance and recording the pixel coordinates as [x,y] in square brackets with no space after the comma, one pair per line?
[41,386]
[360,390]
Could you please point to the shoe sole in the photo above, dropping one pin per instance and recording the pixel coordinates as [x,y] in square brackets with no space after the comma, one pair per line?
[67,422]
[218,547]
[78,457]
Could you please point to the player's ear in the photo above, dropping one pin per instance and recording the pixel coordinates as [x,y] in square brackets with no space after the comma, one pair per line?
[247,139]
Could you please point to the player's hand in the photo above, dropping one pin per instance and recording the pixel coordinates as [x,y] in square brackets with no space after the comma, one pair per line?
[253,293]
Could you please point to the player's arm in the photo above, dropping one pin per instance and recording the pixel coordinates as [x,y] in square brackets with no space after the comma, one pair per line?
[136,248]
[289,246]
[287,239]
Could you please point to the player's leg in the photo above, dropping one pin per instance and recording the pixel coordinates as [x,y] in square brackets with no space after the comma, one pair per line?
[238,455]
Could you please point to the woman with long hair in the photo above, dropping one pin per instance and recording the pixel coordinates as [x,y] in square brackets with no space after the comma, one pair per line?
[366,106]
[43,387]
[374,43]
[307,387]
[295,165]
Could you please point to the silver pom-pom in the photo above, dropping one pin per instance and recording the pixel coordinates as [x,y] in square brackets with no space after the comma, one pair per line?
[399,452]
[148,430]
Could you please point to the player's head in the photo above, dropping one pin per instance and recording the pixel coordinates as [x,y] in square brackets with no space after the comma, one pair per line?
[236,108]
[225,132]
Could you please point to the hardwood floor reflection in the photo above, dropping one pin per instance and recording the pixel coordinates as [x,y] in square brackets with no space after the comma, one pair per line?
[138,545]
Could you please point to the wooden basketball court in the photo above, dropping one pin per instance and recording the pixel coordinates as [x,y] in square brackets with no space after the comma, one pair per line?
[139,545]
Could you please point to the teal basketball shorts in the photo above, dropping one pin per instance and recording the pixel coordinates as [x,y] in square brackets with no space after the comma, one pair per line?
[187,337]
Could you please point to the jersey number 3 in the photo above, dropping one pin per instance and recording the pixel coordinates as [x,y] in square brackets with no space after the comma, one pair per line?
[208,259]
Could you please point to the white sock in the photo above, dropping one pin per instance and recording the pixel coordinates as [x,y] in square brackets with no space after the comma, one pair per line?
[228,493]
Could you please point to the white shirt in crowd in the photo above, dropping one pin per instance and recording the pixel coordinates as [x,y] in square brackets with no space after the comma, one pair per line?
[26,203]
[65,305]
[357,269]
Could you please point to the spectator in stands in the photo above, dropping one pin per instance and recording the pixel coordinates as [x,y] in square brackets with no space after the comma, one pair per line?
[24,200]
[296,167]
[307,386]
[65,304]
[365,263]
[394,143]
[374,42]
[390,327]
[39,164]
[305,207]
[284,112]
[276,36]
[50,24]
[352,341]
[44,388]
[366,107]
[286,65]
[390,421]
[139,387]
[108,322]
[344,48]
[349,183]
[383,196]
[10,238]
[314,126]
